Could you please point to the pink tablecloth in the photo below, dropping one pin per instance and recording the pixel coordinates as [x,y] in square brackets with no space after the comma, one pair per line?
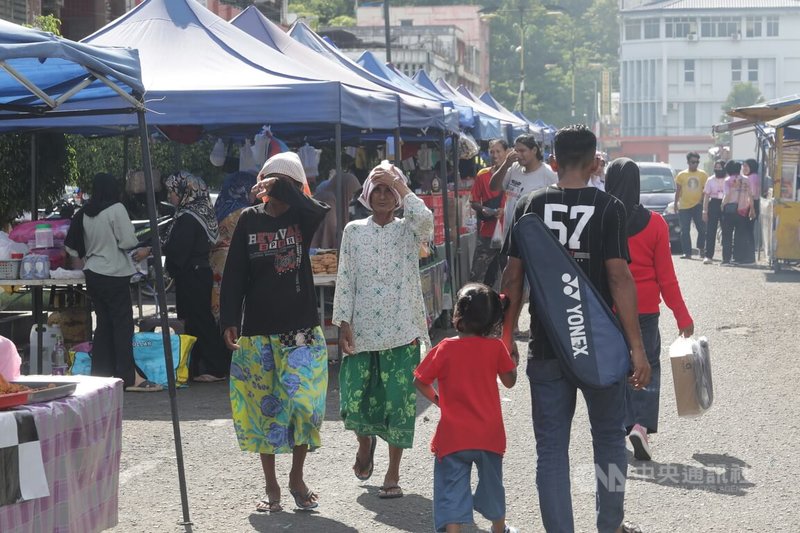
[81,441]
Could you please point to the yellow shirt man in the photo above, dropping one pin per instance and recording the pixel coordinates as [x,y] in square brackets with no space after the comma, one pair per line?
[690,184]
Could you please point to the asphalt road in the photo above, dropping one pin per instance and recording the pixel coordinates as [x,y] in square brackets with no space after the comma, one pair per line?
[733,469]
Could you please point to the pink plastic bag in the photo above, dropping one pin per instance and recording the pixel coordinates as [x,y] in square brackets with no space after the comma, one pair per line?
[9,359]
[26,231]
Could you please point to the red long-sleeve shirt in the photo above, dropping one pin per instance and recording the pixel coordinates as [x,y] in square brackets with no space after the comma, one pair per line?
[654,273]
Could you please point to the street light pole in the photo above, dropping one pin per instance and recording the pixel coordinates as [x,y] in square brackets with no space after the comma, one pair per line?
[386,28]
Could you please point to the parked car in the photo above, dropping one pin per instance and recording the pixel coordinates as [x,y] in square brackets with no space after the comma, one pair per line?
[657,184]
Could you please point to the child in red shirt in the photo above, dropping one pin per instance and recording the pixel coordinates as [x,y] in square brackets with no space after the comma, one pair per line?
[471,426]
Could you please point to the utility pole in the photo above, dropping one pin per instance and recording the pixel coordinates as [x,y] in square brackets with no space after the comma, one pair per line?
[387,29]
[521,58]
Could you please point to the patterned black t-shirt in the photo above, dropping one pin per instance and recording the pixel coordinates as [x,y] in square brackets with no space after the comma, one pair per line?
[591,226]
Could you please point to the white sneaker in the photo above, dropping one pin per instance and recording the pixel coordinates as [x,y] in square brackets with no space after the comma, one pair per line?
[641,448]
[706,261]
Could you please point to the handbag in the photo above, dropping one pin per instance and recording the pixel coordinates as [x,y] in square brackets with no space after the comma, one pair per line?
[582,329]
[730,208]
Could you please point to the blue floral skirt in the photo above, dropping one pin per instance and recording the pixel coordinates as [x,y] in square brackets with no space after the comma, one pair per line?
[278,386]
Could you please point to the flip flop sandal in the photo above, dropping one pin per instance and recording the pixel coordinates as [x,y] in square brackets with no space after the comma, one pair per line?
[301,498]
[145,386]
[208,378]
[267,506]
[390,492]
[357,468]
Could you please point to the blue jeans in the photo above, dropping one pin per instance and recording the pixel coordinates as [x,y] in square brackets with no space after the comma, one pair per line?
[641,406]
[685,217]
[553,396]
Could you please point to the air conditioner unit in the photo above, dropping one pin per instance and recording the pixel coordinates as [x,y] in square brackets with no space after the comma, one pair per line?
[736,36]
[691,37]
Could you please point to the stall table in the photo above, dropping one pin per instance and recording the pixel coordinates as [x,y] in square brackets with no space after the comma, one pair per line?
[81,442]
[38,305]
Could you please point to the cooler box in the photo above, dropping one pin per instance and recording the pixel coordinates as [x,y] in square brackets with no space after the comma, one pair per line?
[691,373]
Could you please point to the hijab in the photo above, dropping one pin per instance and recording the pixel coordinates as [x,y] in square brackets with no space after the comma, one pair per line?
[369,183]
[234,194]
[622,181]
[194,200]
[105,193]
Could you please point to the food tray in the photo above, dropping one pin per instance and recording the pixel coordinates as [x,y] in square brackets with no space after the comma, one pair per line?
[14,399]
[43,392]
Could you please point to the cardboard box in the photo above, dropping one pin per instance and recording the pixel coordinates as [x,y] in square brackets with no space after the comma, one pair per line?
[691,375]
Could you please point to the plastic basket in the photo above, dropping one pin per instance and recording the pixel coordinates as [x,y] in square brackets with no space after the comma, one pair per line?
[9,268]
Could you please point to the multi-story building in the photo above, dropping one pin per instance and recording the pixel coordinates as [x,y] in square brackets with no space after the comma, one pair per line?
[679,60]
[451,42]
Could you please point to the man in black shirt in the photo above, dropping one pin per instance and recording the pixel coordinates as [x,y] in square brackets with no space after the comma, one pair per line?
[591,226]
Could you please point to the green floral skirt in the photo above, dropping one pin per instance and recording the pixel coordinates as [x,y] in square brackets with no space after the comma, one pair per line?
[278,386]
[378,396]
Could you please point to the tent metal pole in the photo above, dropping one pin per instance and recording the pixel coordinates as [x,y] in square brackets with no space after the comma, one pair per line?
[38,291]
[445,211]
[398,152]
[456,180]
[125,156]
[162,307]
[341,202]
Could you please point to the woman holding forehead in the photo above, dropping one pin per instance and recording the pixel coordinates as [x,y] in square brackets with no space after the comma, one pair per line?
[380,312]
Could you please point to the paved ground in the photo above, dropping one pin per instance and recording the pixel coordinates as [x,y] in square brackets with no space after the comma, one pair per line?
[734,469]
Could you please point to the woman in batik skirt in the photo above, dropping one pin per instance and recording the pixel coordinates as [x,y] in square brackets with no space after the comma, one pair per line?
[268,311]
[380,312]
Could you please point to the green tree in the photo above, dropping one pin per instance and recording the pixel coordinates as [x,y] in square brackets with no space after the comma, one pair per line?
[742,95]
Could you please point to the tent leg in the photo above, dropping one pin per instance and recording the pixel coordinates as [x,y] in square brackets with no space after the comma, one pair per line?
[445,211]
[398,152]
[38,299]
[341,203]
[161,298]
[125,157]
[456,179]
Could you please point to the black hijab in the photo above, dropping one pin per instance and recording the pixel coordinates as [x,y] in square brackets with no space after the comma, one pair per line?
[105,193]
[622,181]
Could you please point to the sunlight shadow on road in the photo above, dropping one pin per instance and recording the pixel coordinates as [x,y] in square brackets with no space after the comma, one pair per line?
[721,474]
[784,276]
[412,512]
[297,521]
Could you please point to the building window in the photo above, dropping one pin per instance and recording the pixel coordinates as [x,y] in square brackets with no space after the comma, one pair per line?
[752,70]
[633,29]
[736,70]
[406,22]
[652,28]
[679,27]
[689,116]
[772,26]
[752,26]
[688,70]
[720,26]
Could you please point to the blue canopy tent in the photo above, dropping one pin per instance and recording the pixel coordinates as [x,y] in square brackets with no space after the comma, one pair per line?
[513,125]
[200,70]
[525,126]
[370,63]
[489,126]
[47,80]
[303,34]
[466,115]
[538,131]
[386,112]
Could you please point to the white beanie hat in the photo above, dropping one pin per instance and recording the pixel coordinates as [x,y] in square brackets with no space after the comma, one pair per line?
[287,164]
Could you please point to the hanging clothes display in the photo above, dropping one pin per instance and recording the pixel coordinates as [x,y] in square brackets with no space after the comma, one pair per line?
[310,157]
[246,161]
[425,158]
[266,146]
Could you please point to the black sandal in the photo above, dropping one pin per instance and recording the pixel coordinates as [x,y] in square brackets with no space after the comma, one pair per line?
[357,468]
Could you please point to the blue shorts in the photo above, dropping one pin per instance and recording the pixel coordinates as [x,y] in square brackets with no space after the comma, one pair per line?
[453,500]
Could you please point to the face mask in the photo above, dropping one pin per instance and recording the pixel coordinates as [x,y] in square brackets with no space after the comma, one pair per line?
[720,173]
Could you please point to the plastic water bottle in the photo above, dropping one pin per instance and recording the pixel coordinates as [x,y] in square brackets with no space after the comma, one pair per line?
[43,236]
[59,358]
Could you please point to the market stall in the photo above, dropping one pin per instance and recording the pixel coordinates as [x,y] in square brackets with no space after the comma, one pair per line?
[49,82]
[777,125]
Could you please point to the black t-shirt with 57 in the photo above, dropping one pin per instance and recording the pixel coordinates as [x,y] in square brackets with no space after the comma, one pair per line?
[591,226]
